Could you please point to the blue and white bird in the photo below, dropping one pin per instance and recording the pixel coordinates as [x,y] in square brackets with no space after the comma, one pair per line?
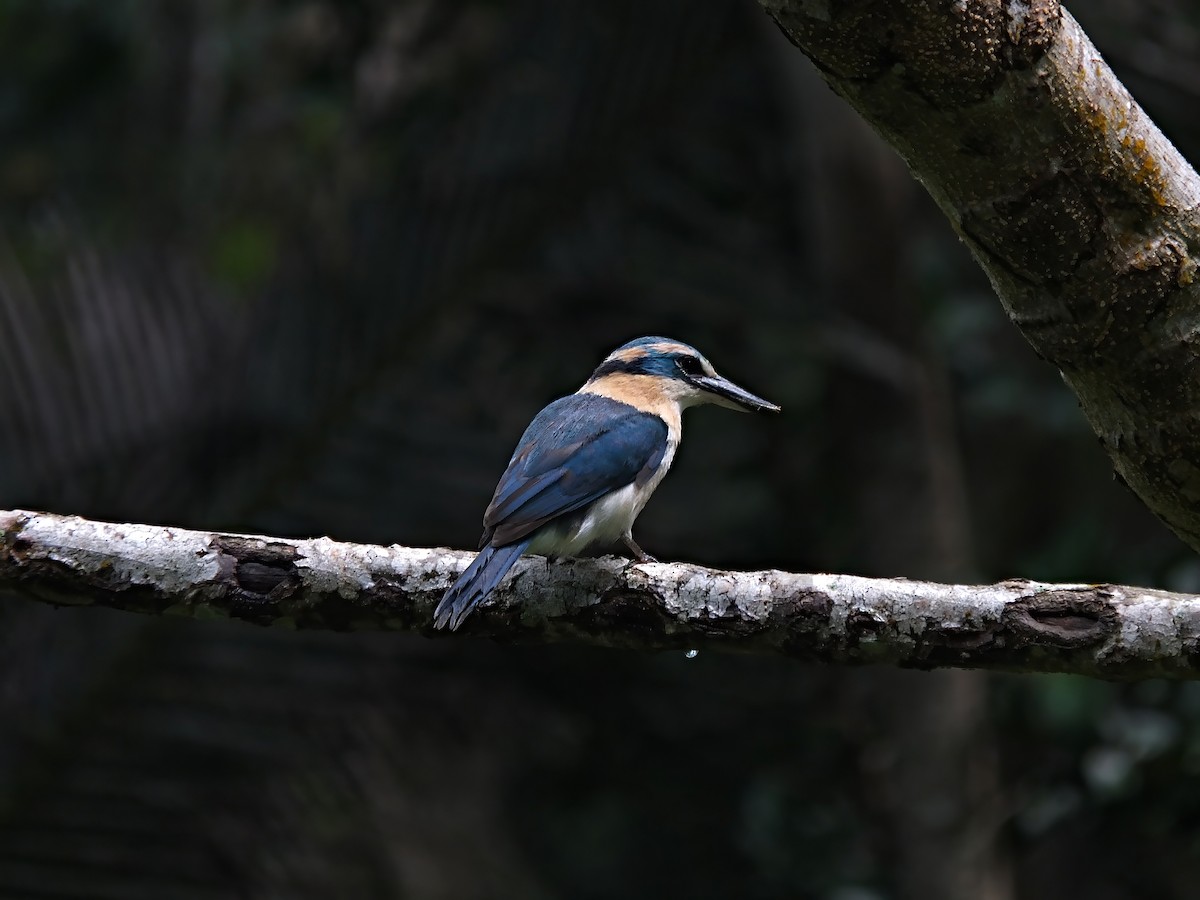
[588,463]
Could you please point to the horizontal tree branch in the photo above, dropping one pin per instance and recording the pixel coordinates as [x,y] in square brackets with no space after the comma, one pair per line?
[1099,629]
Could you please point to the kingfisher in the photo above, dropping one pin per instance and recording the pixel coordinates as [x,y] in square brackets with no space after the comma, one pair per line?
[588,462]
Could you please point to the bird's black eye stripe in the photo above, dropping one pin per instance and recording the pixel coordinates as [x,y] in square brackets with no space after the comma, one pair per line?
[689,365]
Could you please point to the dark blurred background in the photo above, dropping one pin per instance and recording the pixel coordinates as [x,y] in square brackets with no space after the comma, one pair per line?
[309,268]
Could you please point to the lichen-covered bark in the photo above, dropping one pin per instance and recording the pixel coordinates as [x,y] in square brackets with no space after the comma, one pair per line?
[1104,630]
[1085,217]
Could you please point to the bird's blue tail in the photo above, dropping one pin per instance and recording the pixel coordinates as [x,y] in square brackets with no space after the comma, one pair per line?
[473,585]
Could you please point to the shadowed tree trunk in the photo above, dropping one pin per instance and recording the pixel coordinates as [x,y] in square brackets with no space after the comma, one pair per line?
[922,740]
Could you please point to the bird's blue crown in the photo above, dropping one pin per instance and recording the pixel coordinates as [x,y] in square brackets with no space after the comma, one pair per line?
[651,355]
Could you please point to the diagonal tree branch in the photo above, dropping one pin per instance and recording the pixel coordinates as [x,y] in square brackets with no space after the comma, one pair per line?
[1102,630]
[1084,216]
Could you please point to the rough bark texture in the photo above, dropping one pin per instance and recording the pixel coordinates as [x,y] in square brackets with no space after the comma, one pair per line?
[1085,217]
[1104,630]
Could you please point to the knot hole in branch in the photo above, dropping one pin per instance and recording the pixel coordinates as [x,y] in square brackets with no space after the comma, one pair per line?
[262,572]
[1060,619]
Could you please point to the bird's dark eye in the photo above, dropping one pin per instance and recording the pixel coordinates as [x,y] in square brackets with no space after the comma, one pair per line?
[689,365]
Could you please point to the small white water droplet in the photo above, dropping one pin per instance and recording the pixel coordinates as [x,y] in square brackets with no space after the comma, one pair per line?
[691,654]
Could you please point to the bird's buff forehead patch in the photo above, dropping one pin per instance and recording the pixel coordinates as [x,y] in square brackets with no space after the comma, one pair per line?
[629,354]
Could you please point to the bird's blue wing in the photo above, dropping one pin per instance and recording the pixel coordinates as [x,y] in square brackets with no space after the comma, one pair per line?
[575,451]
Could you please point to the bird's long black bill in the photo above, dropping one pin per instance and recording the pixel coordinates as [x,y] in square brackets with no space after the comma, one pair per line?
[726,393]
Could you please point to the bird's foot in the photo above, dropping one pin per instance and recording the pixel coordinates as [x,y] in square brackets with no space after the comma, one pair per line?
[638,553]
